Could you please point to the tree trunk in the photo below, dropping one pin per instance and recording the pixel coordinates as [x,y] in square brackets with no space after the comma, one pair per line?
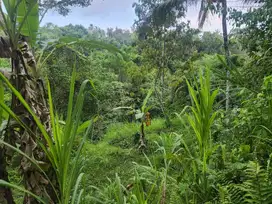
[226,48]
[163,63]
[161,73]
[24,79]
[31,88]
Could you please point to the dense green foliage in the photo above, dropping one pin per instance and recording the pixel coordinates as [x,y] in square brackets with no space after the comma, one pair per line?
[195,151]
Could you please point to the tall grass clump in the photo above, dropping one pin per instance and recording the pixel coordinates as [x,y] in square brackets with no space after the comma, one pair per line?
[60,143]
[202,116]
[197,144]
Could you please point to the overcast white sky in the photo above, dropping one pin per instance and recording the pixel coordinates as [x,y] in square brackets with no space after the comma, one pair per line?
[119,13]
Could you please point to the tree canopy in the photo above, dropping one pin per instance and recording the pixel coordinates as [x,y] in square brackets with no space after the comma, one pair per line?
[63,7]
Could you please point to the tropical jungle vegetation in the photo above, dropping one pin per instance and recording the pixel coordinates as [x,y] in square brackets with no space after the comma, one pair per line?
[163,113]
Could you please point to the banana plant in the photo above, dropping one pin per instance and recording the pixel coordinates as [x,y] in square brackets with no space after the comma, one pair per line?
[22,18]
[141,114]
[20,25]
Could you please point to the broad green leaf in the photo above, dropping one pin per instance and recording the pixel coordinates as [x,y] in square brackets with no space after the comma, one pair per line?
[139,116]
[83,126]
[28,19]
[150,91]
[10,6]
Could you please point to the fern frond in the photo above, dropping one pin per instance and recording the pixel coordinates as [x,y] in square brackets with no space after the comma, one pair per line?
[224,196]
[257,187]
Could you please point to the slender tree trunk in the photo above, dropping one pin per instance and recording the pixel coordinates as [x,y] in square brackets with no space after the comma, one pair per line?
[160,96]
[163,63]
[226,48]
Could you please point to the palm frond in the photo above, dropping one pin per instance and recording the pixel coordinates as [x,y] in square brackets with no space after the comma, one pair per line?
[164,11]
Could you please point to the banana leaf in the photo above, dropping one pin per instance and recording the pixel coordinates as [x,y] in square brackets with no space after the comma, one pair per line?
[28,19]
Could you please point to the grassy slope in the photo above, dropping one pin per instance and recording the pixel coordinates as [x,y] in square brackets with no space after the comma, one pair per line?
[116,153]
